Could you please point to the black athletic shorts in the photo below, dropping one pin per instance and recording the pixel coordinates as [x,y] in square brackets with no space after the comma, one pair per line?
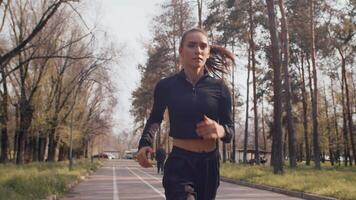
[188,174]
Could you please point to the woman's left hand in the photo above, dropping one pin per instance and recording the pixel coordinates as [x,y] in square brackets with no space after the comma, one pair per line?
[210,129]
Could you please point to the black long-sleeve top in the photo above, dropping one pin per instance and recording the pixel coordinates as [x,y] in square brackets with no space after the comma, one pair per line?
[187,104]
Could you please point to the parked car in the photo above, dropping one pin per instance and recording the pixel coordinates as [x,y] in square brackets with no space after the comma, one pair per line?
[104,155]
[112,156]
[130,154]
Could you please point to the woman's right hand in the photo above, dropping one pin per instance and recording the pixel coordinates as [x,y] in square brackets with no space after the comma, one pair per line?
[142,156]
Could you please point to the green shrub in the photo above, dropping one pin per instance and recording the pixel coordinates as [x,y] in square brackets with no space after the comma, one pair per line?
[38,180]
[331,181]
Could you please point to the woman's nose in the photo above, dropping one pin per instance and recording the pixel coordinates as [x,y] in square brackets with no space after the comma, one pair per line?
[198,49]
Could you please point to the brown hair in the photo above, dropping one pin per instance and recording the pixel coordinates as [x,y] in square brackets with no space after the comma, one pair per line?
[220,58]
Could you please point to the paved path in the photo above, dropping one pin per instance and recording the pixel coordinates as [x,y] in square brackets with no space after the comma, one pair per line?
[125,180]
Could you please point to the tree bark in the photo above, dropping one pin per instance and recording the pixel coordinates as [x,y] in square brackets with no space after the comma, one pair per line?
[336,128]
[344,124]
[277,106]
[52,146]
[224,152]
[328,128]
[348,106]
[247,108]
[200,10]
[287,90]
[305,111]
[263,128]
[3,121]
[316,139]
[233,155]
[26,112]
[42,143]
[253,59]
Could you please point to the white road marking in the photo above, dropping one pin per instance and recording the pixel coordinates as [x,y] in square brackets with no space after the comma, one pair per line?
[116,192]
[155,189]
[148,174]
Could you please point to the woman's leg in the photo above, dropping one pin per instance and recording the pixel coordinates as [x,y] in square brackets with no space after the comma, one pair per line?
[178,179]
[208,180]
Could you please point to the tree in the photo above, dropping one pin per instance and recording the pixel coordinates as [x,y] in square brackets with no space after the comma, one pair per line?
[331,154]
[200,12]
[253,59]
[287,91]
[316,141]
[305,110]
[277,107]
[4,119]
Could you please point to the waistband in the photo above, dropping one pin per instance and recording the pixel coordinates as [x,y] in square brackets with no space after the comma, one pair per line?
[177,150]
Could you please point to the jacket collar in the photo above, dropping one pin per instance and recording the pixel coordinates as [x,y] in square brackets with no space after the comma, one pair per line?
[182,74]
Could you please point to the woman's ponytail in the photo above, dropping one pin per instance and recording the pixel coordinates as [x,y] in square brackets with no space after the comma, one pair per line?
[220,60]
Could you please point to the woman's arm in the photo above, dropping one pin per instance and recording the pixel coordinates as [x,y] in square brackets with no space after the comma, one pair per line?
[156,116]
[225,114]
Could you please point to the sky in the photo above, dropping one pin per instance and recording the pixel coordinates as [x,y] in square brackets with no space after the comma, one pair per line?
[127,24]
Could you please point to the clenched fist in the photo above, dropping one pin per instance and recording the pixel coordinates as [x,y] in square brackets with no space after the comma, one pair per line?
[142,156]
[210,129]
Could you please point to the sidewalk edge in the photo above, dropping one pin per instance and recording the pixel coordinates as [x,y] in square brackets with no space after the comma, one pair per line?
[302,195]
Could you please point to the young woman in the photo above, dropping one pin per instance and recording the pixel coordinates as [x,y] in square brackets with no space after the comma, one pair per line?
[199,108]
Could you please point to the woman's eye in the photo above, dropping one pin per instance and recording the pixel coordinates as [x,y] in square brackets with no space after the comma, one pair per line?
[203,46]
[191,45]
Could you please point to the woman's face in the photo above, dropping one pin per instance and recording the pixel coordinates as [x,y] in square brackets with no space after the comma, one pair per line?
[195,50]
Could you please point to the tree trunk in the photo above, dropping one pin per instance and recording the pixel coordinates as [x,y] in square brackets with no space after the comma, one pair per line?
[3,121]
[337,139]
[344,124]
[331,155]
[86,150]
[287,90]
[263,128]
[33,148]
[277,106]
[305,111]
[285,141]
[26,112]
[253,59]
[200,8]
[316,139]
[348,107]
[247,108]
[224,152]
[52,146]
[16,137]
[233,155]
[42,148]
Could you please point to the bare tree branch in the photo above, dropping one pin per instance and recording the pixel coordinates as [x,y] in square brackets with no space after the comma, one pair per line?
[51,10]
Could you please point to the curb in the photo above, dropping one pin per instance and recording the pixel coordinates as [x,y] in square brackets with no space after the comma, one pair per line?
[302,195]
[70,185]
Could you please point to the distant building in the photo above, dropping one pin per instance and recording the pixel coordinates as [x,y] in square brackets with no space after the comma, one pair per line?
[251,155]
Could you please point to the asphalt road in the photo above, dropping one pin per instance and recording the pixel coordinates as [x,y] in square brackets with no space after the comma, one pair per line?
[125,180]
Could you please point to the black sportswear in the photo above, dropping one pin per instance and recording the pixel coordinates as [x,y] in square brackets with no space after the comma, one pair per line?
[187,104]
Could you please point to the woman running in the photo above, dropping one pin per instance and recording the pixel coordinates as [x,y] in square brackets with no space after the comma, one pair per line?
[199,107]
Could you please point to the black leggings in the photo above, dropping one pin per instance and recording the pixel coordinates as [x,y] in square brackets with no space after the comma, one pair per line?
[160,166]
[191,175]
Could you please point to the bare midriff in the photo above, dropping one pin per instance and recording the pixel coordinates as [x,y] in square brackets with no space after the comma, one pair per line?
[195,145]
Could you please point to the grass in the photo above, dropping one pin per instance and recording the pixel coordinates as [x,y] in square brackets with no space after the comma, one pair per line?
[38,180]
[338,182]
